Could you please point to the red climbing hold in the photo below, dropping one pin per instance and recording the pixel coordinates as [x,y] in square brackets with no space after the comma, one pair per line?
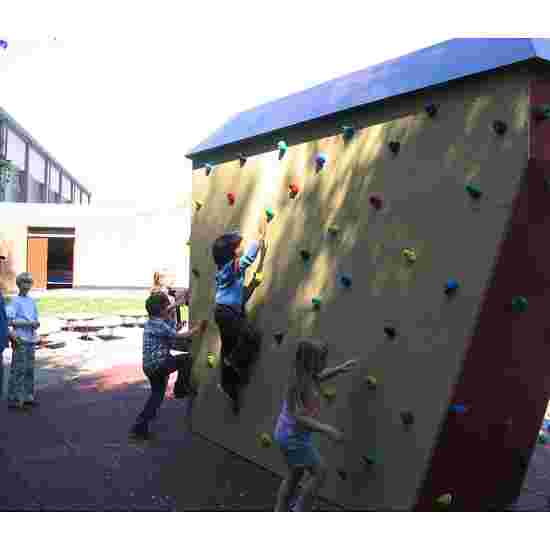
[231,198]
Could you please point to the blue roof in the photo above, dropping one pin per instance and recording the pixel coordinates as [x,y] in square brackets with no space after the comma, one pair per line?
[431,66]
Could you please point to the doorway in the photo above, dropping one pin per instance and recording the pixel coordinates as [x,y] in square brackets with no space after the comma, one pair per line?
[50,257]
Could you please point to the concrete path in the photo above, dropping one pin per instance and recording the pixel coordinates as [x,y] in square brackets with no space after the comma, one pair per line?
[73,453]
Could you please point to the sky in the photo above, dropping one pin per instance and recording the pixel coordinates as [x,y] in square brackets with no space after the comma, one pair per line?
[119,91]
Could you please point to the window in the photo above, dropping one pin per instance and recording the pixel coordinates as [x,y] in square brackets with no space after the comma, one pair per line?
[37,165]
[15,149]
[66,189]
[54,184]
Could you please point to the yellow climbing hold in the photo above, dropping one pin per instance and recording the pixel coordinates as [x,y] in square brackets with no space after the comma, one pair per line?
[211,360]
[265,440]
[371,381]
[410,255]
[334,230]
[198,205]
[445,500]
[329,392]
[259,277]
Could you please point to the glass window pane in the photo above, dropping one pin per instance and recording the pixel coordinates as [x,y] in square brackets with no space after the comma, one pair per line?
[15,149]
[66,189]
[37,165]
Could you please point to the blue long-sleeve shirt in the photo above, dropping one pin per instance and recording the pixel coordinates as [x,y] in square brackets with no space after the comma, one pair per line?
[3,325]
[230,278]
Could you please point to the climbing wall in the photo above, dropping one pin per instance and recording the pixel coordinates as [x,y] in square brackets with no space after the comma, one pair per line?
[382,241]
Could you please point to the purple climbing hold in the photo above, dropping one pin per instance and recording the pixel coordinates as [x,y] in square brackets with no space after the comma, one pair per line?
[3,44]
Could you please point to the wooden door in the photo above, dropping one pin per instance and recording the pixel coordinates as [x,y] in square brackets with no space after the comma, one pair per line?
[37,261]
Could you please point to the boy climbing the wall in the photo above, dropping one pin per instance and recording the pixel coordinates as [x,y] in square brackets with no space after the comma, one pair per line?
[23,317]
[240,341]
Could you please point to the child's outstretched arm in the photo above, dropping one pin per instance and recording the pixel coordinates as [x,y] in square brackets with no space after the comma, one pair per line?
[326,374]
[254,283]
[315,426]
[250,256]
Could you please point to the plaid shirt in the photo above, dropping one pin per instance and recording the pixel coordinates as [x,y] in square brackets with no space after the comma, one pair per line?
[158,338]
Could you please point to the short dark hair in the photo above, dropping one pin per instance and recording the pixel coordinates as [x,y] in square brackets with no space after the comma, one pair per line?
[156,303]
[223,249]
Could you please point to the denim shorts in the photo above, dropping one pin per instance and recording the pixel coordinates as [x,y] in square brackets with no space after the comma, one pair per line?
[298,449]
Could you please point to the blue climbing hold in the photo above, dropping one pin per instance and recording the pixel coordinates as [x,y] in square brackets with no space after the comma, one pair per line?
[320,160]
[3,44]
[345,281]
[460,409]
[451,286]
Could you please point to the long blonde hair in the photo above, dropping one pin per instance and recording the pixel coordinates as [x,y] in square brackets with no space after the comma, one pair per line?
[310,360]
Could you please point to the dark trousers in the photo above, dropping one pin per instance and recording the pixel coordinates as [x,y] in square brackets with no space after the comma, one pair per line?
[240,345]
[159,381]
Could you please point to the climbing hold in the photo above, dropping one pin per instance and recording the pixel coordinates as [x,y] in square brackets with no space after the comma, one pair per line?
[198,205]
[391,333]
[371,382]
[445,500]
[542,438]
[451,286]
[282,147]
[3,44]
[279,336]
[376,201]
[459,409]
[269,214]
[333,230]
[316,302]
[258,278]
[329,392]
[394,146]
[293,190]
[370,460]
[407,417]
[541,112]
[519,304]
[196,272]
[231,198]
[265,440]
[306,255]
[342,474]
[345,281]
[320,161]
[211,358]
[410,255]
[474,191]
[431,109]
[348,132]
[208,168]
[242,159]
[188,243]
[500,127]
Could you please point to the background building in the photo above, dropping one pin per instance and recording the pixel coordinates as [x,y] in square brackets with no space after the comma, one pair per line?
[38,176]
[67,246]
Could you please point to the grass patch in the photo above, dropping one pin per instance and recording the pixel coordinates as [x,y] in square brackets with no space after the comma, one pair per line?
[52,306]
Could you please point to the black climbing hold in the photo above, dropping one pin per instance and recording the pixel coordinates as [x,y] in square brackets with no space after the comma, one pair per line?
[431,109]
[342,474]
[242,159]
[407,417]
[196,272]
[279,336]
[391,333]
[500,127]
[306,255]
[394,146]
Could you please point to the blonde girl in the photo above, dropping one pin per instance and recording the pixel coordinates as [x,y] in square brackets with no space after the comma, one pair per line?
[299,419]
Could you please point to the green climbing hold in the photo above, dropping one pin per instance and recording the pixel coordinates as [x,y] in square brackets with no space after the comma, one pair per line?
[541,112]
[269,214]
[474,192]
[519,304]
[329,392]
[211,358]
[316,303]
[542,438]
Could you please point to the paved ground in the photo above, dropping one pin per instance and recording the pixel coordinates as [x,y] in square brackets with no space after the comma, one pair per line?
[73,453]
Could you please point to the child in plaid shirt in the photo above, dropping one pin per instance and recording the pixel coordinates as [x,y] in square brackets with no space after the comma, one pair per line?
[159,336]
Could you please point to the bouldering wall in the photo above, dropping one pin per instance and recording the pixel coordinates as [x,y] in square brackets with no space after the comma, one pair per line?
[384,241]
